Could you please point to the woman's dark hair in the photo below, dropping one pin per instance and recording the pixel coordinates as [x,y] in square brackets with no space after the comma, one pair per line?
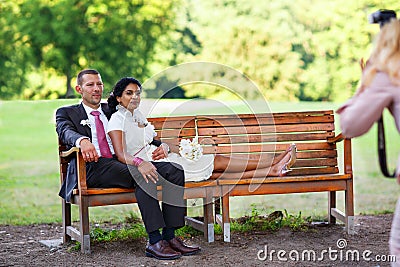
[118,89]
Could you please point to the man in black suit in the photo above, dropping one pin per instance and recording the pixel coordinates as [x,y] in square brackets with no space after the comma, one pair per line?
[76,127]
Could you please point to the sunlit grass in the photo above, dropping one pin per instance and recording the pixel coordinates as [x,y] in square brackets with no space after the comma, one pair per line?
[29,178]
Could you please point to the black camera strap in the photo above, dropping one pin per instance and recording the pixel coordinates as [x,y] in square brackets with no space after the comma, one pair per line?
[382,16]
[382,150]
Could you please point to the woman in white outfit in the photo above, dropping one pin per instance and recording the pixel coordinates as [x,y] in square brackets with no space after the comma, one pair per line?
[133,141]
[380,89]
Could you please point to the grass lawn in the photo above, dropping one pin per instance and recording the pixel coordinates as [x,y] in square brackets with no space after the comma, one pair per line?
[29,179]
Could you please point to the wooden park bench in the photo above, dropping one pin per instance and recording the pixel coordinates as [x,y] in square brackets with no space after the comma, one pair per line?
[316,169]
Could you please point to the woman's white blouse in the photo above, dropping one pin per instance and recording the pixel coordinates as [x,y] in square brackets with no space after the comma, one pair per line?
[138,139]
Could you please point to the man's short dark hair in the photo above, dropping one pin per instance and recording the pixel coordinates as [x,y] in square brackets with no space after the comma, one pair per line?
[84,72]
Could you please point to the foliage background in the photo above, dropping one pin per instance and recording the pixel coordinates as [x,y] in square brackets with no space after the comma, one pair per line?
[293,50]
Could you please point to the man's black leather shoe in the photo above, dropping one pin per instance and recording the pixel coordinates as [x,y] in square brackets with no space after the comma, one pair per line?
[177,244]
[162,251]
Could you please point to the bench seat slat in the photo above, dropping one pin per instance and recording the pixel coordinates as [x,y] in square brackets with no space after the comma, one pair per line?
[286,179]
[211,182]
[286,188]
[100,191]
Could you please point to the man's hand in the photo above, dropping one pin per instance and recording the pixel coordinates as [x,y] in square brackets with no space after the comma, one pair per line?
[161,152]
[149,171]
[88,150]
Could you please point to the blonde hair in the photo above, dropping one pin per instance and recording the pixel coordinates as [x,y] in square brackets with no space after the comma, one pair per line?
[385,56]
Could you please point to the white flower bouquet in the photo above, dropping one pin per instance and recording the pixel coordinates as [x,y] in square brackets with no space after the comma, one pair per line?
[190,149]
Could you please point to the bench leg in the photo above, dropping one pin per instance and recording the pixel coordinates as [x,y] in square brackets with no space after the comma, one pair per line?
[84,225]
[217,206]
[186,207]
[331,205]
[349,200]
[208,222]
[66,218]
[208,217]
[225,218]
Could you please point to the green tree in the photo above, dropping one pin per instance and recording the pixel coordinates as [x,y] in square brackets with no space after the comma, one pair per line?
[12,53]
[293,50]
[303,49]
[332,48]
[252,37]
[116,37]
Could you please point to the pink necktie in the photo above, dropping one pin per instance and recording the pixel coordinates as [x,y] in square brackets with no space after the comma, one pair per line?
[101,136]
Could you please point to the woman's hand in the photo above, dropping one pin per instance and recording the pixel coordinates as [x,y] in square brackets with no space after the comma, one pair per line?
[149,171]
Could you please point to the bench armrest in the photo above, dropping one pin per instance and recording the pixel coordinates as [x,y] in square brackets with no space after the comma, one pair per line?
[348,165]
[338,138]
[80,167]
[69,152]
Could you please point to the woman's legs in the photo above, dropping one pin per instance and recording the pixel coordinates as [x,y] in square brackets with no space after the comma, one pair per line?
[274,170]
[242,164]
[227,167]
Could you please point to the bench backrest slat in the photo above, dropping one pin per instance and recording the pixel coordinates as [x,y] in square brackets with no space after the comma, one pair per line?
[204,122]
[272,147]
[238,139]
[220,130]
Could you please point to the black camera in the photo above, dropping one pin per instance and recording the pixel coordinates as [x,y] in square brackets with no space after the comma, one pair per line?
[382,16]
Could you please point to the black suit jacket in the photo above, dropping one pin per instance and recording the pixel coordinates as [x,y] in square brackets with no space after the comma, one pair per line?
[70,129]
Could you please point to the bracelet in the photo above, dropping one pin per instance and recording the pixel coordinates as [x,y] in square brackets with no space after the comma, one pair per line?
[137,161]
[166,148]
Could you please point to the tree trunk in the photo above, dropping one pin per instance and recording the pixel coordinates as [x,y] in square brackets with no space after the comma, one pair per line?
[70,90]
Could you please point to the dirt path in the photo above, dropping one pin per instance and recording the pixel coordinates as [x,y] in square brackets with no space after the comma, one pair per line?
[20,246]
